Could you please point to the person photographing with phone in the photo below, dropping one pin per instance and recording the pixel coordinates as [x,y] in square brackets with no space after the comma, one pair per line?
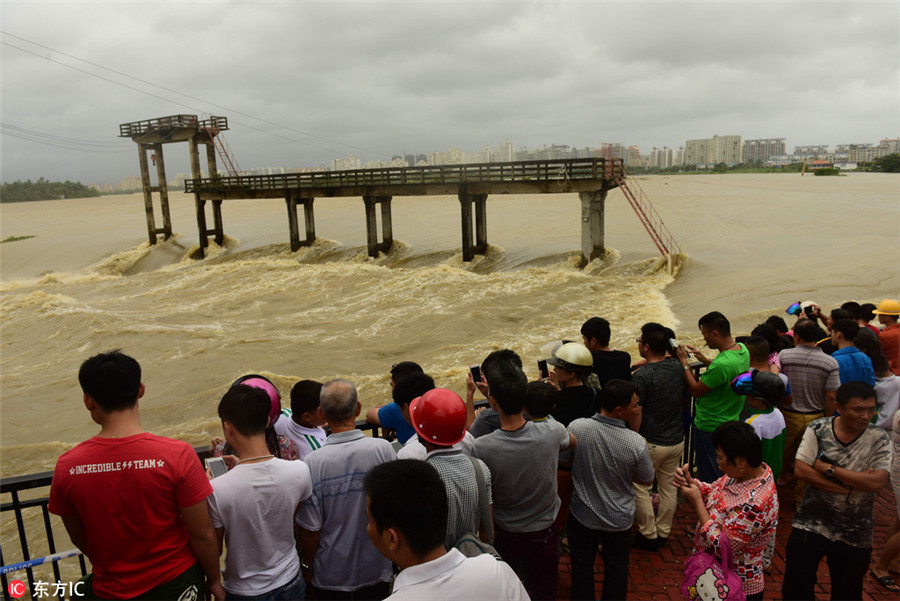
[252,506]
[742,505]
[714,401]
[571,362]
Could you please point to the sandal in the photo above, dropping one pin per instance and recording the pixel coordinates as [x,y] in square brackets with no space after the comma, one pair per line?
[886,582]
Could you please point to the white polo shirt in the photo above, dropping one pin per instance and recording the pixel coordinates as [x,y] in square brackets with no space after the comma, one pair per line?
[455,576]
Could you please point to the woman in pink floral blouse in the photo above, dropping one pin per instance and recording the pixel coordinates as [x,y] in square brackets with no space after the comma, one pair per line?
[742,504]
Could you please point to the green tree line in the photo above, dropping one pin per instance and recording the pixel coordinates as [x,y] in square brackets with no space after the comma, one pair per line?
[19,191]
[889,163]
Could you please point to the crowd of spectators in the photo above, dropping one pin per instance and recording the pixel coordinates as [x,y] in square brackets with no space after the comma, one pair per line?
[479,503]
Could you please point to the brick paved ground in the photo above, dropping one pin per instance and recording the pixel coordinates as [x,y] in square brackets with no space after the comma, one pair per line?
[656,575]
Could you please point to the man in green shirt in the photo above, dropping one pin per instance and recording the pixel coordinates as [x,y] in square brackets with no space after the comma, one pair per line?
[714,401]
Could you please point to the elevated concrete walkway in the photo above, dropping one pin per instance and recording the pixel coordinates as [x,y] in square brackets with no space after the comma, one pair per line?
[591,178]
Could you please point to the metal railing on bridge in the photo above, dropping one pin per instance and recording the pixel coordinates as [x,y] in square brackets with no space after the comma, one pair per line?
[562,171]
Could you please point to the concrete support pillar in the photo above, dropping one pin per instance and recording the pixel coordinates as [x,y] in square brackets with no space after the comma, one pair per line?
[218,230]
[195,158]
[218,227]
[466,200]
[292,201]
[310,220]
[200,205]
[294,229]
[593,209]
[163,191]
[387,228]
[480,223]
[148,195]
[211,160]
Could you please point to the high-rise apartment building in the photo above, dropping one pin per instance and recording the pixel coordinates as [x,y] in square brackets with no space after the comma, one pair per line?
[696,152]
[866,153]
[890,145]
[506,152]
[811,151]
[614,150]
[634,157]
[717,149]
[761,150]
[662,158]
[726,149]
[345,164]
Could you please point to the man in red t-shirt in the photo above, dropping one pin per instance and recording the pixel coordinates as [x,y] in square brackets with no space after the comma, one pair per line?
[133,502]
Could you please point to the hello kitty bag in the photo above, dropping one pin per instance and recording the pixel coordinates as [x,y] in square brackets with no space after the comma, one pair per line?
[707,579]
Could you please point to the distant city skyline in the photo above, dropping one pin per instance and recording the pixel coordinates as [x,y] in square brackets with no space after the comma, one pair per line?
[660,157]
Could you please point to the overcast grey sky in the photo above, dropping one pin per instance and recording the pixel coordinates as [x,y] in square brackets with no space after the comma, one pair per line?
[305,82]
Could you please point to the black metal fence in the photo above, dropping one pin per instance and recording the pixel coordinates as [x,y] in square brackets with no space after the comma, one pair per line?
[49,555]
[14,487]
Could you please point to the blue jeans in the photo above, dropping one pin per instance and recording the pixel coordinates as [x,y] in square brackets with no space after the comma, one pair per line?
[707,467]
[293,590]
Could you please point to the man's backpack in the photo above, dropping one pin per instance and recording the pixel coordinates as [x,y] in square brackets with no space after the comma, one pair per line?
[469,544]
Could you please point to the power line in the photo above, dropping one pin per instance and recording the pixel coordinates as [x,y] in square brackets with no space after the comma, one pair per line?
[22,130]
[187,106]
[231,110]
[36,140]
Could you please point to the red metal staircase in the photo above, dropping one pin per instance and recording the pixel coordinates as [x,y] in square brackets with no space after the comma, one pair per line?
[651,220]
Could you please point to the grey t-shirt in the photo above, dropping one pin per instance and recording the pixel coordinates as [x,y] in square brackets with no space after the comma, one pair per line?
[523,466]
[837,516]
[660,386]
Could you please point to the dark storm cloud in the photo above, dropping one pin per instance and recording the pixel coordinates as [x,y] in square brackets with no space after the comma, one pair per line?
[303,83]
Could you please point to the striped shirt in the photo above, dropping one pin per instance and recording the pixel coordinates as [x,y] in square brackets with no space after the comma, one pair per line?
[811,373]
[346,559]
[608,459]
[458,474]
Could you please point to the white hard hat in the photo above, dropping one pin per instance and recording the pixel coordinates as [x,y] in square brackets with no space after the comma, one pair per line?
[572,356]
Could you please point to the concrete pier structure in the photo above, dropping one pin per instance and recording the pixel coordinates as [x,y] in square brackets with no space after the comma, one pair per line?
[472,184]
[591,178]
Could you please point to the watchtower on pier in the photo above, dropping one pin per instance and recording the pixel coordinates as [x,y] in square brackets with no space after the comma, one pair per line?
[150,136]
